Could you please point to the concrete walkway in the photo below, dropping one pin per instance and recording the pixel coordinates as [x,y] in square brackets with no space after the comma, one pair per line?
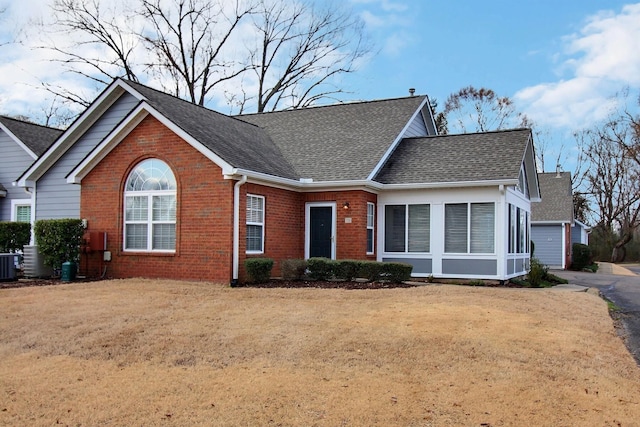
[618,270]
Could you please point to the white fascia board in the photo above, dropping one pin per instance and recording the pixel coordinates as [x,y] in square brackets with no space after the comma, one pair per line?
[433,119]
[18,141]
[297,185]
[454,184]
[556,222]
[108,143]
[395,143]
[71,135]
[126,126]
[581,224]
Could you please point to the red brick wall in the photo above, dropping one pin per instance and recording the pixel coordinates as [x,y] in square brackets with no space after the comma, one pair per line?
[204,233]
[351,238]
[204,218]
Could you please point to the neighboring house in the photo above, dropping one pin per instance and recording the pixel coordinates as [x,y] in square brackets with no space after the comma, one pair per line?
[21,143]
[553,220]
[580,232]
[185,192]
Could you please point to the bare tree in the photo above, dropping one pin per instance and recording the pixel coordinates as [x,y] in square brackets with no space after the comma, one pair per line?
[482,110]
[290,55]
[188,40]
[100,44]
[300,50]
[613,183]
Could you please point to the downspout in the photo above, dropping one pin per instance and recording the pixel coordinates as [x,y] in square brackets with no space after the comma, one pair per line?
[236,230]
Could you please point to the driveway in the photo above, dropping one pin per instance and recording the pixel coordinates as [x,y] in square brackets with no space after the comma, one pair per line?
[620,285]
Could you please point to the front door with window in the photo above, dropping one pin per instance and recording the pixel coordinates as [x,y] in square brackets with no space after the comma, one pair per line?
[320,231]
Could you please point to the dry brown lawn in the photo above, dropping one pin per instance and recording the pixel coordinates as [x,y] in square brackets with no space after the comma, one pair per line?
[145,353]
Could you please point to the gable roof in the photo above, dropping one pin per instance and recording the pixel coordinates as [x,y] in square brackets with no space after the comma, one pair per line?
[240,144]
[338,142]
[36,138]
[557,198]
[488,156]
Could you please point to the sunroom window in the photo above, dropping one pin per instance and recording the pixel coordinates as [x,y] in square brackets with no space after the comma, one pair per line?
[407,228]
[469,228]
[150,208]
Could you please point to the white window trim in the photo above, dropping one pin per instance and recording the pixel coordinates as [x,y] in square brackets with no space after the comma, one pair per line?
[20,202]
[468,252]
[261,224]
[406,229]
[371,227]
[149,222]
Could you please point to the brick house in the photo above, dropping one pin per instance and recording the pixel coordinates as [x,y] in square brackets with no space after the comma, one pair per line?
[185,192]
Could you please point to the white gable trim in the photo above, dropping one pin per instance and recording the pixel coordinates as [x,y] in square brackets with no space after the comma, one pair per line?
[395,143]
[72,134]
[119,133]
[18,141]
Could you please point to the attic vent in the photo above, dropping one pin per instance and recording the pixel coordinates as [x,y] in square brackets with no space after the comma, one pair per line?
[412,91]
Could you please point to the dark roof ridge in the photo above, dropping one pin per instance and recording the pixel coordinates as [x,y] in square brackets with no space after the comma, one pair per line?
[468,133]
[177,98]
[338,104]
[28,122]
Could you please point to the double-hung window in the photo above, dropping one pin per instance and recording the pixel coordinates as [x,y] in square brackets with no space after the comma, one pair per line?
[21,210]
[407,228]
[255,224]
[150,208]
[371,208]
[469,228]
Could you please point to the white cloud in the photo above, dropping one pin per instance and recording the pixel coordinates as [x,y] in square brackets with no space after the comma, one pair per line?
[602,58]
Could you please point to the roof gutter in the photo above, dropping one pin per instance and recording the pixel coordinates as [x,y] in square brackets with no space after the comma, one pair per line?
[236,230]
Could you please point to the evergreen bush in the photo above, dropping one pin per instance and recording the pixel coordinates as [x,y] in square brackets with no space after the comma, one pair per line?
[259,269]
[14,236]
[582,257]
[59,240]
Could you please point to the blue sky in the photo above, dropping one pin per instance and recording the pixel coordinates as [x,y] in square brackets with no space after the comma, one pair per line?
[561,61]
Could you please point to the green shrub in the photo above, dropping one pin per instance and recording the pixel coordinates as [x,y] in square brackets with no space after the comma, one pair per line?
[293,269]
[593,267]
[321,268]
[537,273]
[347,269]
[14,236]
[582,257]
[59,240]
[396,272]
[259,269]
[370,270]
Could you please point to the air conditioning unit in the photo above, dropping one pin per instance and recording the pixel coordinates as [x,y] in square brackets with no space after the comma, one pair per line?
[7,267]
[34,263]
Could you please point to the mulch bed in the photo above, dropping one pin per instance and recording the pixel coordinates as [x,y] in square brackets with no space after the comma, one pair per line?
[333,284]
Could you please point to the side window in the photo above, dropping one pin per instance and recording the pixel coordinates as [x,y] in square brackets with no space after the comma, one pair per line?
[150,208]
[371,209]
[255,224]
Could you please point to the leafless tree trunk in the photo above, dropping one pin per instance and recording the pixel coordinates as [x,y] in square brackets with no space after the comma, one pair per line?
[613,181]
[300,50]
[189,40]
[482,110]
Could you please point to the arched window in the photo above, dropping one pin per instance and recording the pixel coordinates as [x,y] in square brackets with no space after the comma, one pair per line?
[150,208]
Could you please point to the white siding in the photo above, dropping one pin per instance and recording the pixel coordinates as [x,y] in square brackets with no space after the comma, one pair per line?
[13,162]
[55,198]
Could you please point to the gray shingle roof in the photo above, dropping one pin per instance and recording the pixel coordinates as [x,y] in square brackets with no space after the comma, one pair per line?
[240,144]
[457,158]
[557,198]
[337,142]
[37,138]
